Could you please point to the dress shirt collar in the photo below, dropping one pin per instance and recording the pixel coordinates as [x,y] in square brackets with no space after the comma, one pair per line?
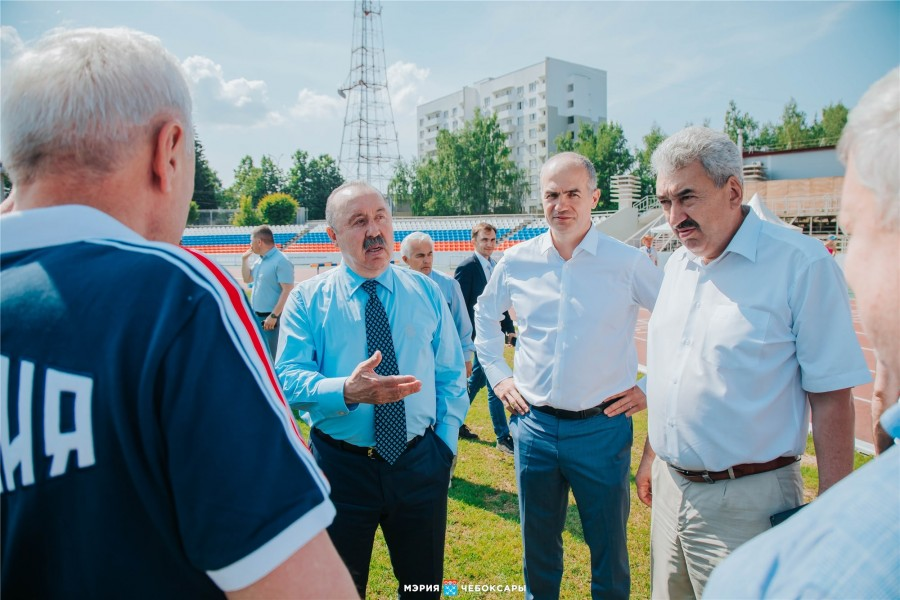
[588,243]
[485,263]
[745,241]
[354,281]
[271,252]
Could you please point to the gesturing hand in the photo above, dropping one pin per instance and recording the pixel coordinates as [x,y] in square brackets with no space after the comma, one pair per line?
[365,386]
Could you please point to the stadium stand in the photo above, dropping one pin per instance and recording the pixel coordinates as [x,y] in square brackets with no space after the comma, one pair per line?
[450,234]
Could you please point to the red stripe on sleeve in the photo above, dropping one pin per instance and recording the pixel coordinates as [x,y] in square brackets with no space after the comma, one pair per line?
[235,296]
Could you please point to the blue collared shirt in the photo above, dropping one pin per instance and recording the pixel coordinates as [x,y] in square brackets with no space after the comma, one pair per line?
[845,544]
[323,339]
[453,295]
[269,272]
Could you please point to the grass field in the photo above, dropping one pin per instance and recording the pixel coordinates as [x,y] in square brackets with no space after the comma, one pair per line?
[483,540]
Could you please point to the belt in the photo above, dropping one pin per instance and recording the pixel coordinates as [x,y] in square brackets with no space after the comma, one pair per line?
[263,314]
[736,471]
[576,414]
[361,450]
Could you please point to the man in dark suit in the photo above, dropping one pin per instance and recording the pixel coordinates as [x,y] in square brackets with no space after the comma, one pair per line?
[473,274]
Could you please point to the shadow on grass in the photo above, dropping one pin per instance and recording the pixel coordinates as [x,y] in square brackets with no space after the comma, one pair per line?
[504,504]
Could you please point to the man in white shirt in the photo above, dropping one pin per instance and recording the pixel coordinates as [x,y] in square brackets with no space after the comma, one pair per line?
[845,544]
[576,294]
[751,321]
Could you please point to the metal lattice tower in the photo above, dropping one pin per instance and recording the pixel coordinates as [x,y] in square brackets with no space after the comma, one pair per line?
[369,148]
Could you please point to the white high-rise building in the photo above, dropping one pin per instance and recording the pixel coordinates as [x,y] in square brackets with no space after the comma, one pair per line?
[533,106]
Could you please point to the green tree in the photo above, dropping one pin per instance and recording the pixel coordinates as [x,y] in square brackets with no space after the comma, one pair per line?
[793,131]
[271,176]
[740,124]
[247,213]
[248,182]
[472,173]
[312,181]
[607,148]
[644,169]
[207,185]
[834,117]
[193,213]
[278,209]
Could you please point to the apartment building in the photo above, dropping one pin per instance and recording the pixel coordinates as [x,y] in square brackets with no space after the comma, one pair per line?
[533,106]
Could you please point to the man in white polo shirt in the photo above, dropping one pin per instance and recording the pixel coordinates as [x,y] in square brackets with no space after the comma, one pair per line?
[751,333]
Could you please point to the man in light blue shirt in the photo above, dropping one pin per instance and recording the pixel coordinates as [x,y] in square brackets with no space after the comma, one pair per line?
[846,544]
[327,370]
[272,277]
[417,251]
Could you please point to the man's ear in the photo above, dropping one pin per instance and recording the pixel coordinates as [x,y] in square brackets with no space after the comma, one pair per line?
[596,196]
[169,154]
[331,234]
[735,192]
[405,259]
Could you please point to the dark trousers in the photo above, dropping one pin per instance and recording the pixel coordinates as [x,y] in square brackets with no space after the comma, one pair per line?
[408,500]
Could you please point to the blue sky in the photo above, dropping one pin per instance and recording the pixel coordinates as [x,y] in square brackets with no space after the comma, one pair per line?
[265,74]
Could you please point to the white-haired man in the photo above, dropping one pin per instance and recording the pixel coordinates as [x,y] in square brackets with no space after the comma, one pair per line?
[135,386]
[369,350]
[751,333]
[417,251]
[846,544]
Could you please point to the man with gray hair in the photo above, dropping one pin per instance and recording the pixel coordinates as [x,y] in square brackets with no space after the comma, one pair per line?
[369,350]
[135,390]
[417,251]
[846,544]
[751,333]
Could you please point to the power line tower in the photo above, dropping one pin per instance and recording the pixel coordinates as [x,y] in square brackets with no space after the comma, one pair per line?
[369,148]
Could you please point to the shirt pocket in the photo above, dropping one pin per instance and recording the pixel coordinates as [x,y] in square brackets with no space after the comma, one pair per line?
[735,337]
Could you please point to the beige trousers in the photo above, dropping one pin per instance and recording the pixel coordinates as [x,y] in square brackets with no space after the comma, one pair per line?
[694,526]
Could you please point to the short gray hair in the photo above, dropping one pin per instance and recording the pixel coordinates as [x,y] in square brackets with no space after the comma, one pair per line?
[83,99]
[329,204]
[582,160]
[872,136]
[720,157]
[409,240]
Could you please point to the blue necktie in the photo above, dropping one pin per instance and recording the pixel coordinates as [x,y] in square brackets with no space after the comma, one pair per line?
[390,419]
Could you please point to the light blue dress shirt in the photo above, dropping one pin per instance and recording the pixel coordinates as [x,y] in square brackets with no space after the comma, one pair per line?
[323,339]
[453,295]
[269,272]
[846,544]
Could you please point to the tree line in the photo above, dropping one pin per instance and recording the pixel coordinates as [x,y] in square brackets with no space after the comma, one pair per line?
[264,193]
[472,171]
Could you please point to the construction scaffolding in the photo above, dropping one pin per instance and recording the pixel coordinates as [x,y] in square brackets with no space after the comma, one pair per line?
[369,147]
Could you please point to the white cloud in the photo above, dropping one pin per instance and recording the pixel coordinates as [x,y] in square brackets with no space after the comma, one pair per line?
[311,105]
[10,42]
[404,82]
[238,102]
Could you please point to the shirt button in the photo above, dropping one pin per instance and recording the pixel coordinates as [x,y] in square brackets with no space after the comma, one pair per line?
[343,412]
